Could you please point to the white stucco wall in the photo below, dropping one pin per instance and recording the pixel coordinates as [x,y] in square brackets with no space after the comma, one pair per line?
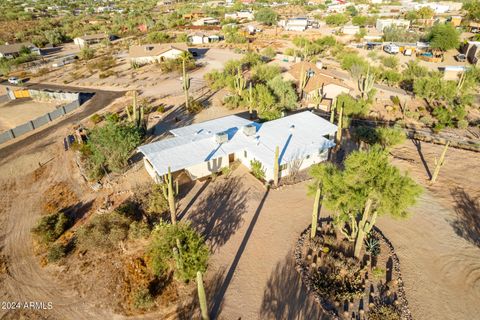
[207,168]
[171,54]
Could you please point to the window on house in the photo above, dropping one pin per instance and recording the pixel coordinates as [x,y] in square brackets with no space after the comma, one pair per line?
[307,157]
[245,154]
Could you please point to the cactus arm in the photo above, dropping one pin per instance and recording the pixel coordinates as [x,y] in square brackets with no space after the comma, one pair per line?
[276,167]
[439,163]
[202,297]
[316,205]
[340,124]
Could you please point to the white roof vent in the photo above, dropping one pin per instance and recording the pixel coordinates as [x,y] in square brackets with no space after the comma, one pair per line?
[221,137]
[249,130]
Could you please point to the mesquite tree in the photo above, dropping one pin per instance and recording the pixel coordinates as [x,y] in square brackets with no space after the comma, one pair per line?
[367,187]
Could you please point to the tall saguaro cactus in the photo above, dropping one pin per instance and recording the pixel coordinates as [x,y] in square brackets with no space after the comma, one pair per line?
[169,193]
[332,110]
[202,297]
[250,100]
[439,163]
[303,81]
[239,82]
[365,84]
[316,205]
[136,114]
[339,124]
[364,227]
[276,168]
[186,83]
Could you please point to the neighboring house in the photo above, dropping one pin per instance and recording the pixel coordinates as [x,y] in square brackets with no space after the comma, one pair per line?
[201,38]
[150,53]
[350,30]
[384,23]
[295,24]
[205,148]
[318,82]
[91,39]
[240,15]
[10,51]
[209,21]
[453,72]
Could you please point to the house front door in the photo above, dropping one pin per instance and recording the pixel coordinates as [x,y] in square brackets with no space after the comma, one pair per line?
[231,157]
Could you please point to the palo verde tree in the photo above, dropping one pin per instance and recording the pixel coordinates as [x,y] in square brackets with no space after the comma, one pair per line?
[367,187]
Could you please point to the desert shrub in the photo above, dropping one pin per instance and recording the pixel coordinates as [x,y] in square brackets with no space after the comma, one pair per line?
[383,312]
[337,19]
[194,106]
[156,202]
[227,171]
[139,229]
[87,53]
[157,37]
[462,124]
[378,273]
[143,299]
[177,247]
[50,227]
[339,278]
[96,118]
[269,52]
[161,109]
[257,169]
[169,65]
[391,77]
[372,246]
[56,252]
[389,137]
[390,62]
[103,231]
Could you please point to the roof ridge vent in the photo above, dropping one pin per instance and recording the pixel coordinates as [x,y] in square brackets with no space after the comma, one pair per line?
[249,130]
[221,137]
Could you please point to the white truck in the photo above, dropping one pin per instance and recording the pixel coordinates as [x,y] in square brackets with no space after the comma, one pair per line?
[391,48]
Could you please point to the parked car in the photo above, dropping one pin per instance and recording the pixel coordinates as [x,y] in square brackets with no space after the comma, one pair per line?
[461,57]
[13,80]
[391,48]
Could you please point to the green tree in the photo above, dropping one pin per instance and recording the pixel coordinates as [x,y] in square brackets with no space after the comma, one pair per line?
[425,13]
[266,103]
[473,9]
[87,53]
[338,19]
[54,37]
[111,145]
[444,37]
[266,16]
[285,93]
[395,33]
[367,187]
[157,37]
[179,248]
[265,72]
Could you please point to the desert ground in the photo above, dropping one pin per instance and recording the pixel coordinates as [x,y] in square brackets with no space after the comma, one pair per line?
[252,233]
[16,112]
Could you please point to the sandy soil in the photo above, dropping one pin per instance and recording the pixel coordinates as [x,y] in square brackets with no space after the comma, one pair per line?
[19,111]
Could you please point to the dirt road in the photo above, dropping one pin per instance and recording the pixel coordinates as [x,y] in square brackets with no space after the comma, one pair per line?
[99,101]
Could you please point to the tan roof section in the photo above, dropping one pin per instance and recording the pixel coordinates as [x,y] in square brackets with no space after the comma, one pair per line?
[151,50]
[14,48]
[318,80]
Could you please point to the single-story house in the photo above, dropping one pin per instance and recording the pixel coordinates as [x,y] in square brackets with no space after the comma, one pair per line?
[150,53]
[384,23]
[318,81]
[209,21]
[91,39]
[240,15]
[295,24]
[452,72]
[205,148]
[201,38]
[10,51]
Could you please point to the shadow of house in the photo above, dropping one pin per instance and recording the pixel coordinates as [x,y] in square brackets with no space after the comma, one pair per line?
[285,297]
[218,214]
[467,222]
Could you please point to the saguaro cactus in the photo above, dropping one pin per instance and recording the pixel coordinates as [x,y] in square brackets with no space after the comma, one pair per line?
[339,124]
[316,205]
[303,81]
[169,193]
[239,82]
[332,111]
[185,84]
[364,227]
[250,100]
[276,168]
[439,163]
[202,297]
[136,114]
[365,84]
[461,81]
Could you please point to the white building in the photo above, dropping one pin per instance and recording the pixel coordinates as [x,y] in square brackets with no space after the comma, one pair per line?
[91,39]
[296,24]
[150,53]
[209,21]
[240,15]
[201,38]
[384,23]
[204,148]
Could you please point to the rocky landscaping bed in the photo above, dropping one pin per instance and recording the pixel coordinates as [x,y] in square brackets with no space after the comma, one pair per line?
[348,288]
